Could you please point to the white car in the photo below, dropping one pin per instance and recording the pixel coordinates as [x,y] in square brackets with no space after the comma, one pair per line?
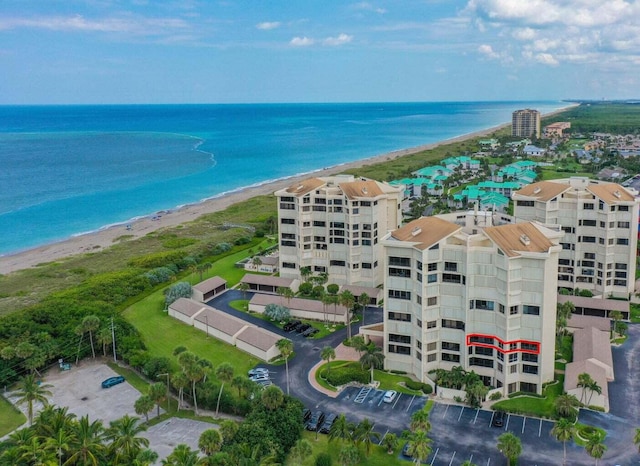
[258,371]
[259,377]
[389,396]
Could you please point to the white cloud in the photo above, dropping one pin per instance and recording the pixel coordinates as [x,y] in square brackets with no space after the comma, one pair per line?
[268,25]
[524,33]
[487,51]
[301,42]
[366,6]
[547,59]
[340,40]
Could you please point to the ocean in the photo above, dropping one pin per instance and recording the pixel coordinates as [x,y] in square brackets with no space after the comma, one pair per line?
[68,170]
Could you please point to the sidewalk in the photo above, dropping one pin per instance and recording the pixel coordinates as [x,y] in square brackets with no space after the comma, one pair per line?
[343,353]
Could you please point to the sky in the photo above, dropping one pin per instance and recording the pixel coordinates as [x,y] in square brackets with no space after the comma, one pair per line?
[243,51]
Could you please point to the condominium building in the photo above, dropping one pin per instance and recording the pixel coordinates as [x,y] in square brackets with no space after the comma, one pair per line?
[600,221]
[525,123]
[333,225]
[474,295]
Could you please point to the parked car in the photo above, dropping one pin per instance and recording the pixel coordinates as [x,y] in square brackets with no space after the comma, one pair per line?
[328,422]
[317,418]
[498,419]
[258,371]
[264,383]
[389,396]
[303,328]
[405,451]
[259,377]
[306,415]
[311,331]
[111,381]
[292,324]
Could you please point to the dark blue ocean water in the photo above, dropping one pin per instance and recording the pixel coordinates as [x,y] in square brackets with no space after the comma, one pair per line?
[66,170]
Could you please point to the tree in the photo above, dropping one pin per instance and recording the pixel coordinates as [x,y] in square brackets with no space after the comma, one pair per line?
[364,300]
[193,371]
[60,442]
[563,431]
[301,451]
[390,442]
[158,393]
[341,428]
[89,325]
[596,448]
[594,387]
[126,442]
[476,393]
[30,392]
[287,293]
[202,268]
[177,291]
[364,433]
[372,359]
[243,384]
[327,354]
[88,445]
[272,397]
[277,312]
[210,442]
[144,405]
[224,373]
[349,455]
[105,338]
[347,300]
[636,439]
[36,452]
[182,455]
[358,343]
[584,381]
[285,346]
[305,273]
[243,287]
[510,446]
[333,289]
[419,446]
[420,421]
[180,381]
[565,405]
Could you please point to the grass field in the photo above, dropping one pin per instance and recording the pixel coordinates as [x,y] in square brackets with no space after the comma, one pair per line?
[10,417]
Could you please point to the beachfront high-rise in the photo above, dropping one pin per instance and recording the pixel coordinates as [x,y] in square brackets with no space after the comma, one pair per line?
[600,221]
[473,295]
[333,225]
[525,123]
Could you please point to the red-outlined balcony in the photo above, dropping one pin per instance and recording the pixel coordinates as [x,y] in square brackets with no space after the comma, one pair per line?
[506,345]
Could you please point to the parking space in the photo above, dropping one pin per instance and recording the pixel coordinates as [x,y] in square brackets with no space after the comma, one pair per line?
[372,400]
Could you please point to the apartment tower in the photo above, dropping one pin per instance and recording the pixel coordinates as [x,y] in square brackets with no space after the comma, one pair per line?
[474,295]
[333,225]
[525,123]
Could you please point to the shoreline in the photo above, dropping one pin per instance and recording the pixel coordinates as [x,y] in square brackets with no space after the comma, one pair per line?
[104,237]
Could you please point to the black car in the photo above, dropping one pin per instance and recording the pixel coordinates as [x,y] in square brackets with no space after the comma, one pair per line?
[328,422]
[317,418]
[303,328]
[311,331]
[291,325]
[306,415]
[498,418]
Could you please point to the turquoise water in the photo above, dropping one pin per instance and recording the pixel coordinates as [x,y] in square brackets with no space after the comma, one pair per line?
[66,170]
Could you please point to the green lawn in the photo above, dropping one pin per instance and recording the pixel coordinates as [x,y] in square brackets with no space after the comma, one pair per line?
[377,457]
[10,417]
[534,406]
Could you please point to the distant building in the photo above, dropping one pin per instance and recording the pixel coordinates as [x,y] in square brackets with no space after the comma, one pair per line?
[333,224]
[525,123]
[533,151]
[556,130]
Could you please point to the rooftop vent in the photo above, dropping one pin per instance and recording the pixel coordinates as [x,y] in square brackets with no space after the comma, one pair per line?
[364,190]
[537,190]
[524,239]
[300,186]
[617,194]
[416,231]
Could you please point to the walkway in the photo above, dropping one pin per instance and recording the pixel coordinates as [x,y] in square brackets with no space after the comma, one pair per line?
[343,353]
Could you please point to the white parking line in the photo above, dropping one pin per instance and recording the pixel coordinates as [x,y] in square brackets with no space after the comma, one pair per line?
[476,418]
[397,399]
[506,426]
[491,420]
[454,455]
[410,403]
[540,429]
[524,422]
[488,461]
[434,456]
[382,438]
[445,411]
[380,402]
[461,411]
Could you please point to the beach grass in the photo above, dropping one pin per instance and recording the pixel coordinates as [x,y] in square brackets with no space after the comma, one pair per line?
[10,417]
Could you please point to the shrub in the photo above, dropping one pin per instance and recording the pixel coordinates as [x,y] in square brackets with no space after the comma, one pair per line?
[177,243]
[305,288]
[427,389]
[242,240]
[495,396]
[221,248]
[393,371]
[343,375]
[413,385]
[323,459]
[277,312]
[332,288]
[159,275]
[179,290]
[157,259]
[457,399]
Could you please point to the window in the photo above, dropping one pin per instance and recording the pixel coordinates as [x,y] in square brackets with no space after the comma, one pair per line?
[513,310]
[432,301]
[531,310]
[452,278]
[287,199]
[432,267]
[621,266]
[288,243]
[483,340]
[398,349]
[623,224]
[288,221]
[500,367]
[432,346]
[400,294]
[400,338]
[418,344]
[528,387]
[366,265]
[524,203]
[431,357]
[482,305]
[432,323]
[432,278]
[419,277]
[399,316]
[434,247]
[513,369]
[450,357]
[288,265]
[623,241]
[418,299]
[450,267]
[529,346]
[403,273]
[484,351]
[288,236]
[587,206]
[623,208]
[501,308]
[482,362]
[449,346]
[456,324]
[528,357]
[588,223]
[337,263]
[586,239]
[400,261]
[419,355]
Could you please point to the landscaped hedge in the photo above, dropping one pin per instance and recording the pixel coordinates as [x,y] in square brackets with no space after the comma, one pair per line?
[425,387]
[342,375]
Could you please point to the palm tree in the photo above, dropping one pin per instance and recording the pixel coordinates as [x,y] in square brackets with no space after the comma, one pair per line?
[301,451]
[60,442]
[617,317]
[224,373]
[593,388]
[88,445]
[180,381]
[327,354]
[36,452]
[182,455]
[636,439]
[596,448]
[565,405]
[419,446]
[158,393]
[364,433]
[243,384]
[89,325]
[210,441]
[372,359]
[126,442]
[145,458]
[272,397]
[347,300]
[193,371]
[144,405]
[243,287]
[510,446]
[390,442]
[364,300]
[420,421]
[563,432]
[285,347]
[104,338]
[201,268]
[349,455]
[327,300]
[305,273]
[584,381]
[30,391]
[341,428]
